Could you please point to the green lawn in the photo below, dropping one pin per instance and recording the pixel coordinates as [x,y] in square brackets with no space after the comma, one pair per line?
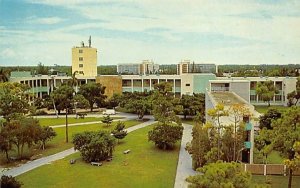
[277,181]
[273,158]
[62,121]
[264,109]
[145,166]
[58,143]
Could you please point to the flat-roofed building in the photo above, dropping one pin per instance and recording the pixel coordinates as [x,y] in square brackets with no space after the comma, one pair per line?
[186,66]
[84,60]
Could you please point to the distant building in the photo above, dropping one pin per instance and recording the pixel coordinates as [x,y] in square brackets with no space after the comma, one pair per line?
[186,66]
[84,60]
[129,68]
[146,67]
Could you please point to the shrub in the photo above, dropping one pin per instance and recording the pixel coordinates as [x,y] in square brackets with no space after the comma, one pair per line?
[10,182]
[94,146]
[165,135]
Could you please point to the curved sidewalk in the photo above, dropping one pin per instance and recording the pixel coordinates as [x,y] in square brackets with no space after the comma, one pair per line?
[46,160]
[184,166]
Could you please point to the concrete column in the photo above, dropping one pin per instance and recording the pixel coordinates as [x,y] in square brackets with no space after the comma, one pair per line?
[142,84]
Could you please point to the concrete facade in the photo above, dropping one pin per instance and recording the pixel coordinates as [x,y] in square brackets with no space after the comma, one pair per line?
[113,84]
[84,61]
[186,84]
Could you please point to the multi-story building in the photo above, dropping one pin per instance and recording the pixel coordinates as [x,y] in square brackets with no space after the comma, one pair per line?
[186,66]
[84,60]
[146,67]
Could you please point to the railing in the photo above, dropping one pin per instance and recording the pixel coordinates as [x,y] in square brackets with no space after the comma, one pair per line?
[218,89]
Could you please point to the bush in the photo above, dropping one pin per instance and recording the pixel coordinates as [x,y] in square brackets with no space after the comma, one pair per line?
[40,112]
[94,146]
[9,182]
[165,135]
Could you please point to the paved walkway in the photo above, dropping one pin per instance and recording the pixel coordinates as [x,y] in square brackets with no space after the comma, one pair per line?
[88,123]
[46,160]
[184,166]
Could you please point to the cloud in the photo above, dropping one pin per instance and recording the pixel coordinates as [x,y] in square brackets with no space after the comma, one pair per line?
[8,53]
[166,31]
[45,20]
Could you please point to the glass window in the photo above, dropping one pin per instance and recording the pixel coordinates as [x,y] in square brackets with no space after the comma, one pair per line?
[80,58]
[80,51]
[80,65]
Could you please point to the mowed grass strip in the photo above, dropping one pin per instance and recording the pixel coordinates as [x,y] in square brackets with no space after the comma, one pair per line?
[276,181]
[145,166]
[58,143]
[71,120]
[264,109]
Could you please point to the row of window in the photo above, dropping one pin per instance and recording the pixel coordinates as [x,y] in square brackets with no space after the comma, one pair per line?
[259,98]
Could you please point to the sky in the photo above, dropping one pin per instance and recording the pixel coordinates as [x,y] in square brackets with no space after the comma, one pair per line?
[167,32]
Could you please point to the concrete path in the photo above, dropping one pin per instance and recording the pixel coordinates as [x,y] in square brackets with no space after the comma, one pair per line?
[184,166]
[47,160]
[87,123]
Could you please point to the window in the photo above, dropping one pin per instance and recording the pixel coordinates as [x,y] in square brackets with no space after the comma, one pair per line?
[81,51]
[80,72]
[278,98]
[187,84]
[252,97]
[80,65]
[80,58]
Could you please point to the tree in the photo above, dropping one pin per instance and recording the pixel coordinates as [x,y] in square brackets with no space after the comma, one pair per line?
[23,131]
[165,135]
[266,119]
[139,106]
[287,133]
[263,144]
[119,132]
[5,142]
[47,133]
[294,96]
[114,100]
[107,120]
[94,93]
[10,182]
[14,100]
[221,175]
[238,112]
[94,146]
[164,104]
[193,104]
[63,99]
[216,113]
[200,145]
[3,76]
[266,90]
[41,69]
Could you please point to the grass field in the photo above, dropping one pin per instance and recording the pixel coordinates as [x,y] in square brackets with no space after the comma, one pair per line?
[62,121]
[58,143]
[277,181]
[145,166]
[264,109]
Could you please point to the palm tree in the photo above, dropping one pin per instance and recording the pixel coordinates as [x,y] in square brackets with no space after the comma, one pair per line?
[3,75]
[73,81]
